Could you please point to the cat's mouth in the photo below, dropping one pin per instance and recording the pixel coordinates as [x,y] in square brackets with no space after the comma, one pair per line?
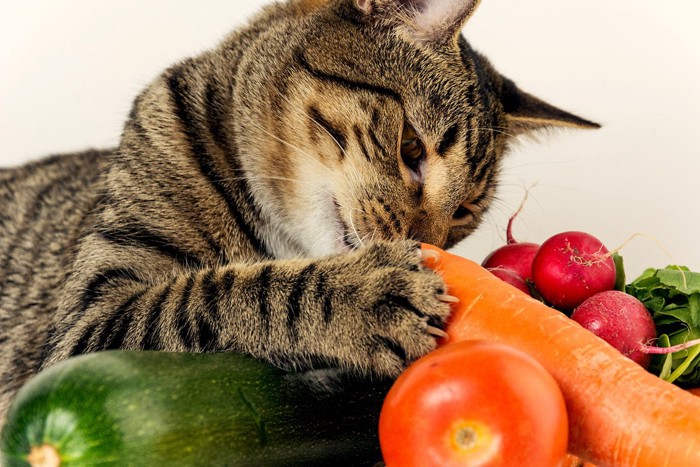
[345,238]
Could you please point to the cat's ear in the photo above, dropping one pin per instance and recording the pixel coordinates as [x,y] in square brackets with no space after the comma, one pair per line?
[525,112]
[428,20]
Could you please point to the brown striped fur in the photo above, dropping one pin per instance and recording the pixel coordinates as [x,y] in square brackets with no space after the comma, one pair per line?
[261,199]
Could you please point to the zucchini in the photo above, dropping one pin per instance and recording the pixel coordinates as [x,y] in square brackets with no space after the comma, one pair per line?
[160,408]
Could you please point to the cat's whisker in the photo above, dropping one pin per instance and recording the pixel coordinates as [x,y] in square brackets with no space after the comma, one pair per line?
[342,150]
[354,228]
[296,148]
[361,241]
[374,233]
[299,150]
[346,238]
[371,239]
[496,130]
[280,178]
[323,128]
[510,168]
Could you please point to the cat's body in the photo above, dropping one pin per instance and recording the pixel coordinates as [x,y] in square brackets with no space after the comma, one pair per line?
[262,194]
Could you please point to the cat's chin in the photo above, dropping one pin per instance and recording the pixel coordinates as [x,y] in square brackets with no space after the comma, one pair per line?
[327,236]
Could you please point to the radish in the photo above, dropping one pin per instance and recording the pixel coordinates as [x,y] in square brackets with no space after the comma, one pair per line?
[510,277]
[515,256]
[571,267]
[621,320]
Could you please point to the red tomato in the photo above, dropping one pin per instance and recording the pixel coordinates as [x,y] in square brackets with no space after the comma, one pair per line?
[474,403]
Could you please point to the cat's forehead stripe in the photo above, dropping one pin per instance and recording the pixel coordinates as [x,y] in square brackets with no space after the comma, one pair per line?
[318,119]
[448,140]
[346,83]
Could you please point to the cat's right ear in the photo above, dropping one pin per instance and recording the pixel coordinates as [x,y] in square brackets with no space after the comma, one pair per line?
[526,113]
[426,20]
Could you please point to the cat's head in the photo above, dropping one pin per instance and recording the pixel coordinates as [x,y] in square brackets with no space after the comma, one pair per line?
[374,119]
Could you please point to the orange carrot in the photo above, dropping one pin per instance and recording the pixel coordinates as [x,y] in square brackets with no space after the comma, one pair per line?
[619,414]
[573,461]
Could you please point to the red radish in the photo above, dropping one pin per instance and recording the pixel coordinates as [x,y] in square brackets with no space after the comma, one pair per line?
[515,256]
[571,267]
[512,278]
[621,320]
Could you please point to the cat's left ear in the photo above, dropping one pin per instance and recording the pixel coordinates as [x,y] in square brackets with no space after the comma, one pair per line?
[428,20]
[526,113]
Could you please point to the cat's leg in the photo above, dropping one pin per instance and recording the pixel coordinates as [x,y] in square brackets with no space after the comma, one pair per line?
[370,311]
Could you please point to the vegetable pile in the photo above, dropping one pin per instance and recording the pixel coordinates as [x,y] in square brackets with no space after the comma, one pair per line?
[657,314]
[451,407]
[619,414]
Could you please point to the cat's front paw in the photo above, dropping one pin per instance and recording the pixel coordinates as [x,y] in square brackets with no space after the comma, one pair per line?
[391,310]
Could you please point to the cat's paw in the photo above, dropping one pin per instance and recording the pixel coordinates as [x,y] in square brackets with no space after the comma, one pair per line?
[391,309]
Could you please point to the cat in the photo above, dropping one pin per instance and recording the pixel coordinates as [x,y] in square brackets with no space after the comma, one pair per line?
[268,197]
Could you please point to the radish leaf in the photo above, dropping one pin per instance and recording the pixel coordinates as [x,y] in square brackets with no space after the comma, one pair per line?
[683,280]
[663,362]
[672,296]
[620,279]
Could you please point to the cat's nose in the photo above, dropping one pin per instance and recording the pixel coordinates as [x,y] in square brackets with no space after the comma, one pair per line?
[425,231]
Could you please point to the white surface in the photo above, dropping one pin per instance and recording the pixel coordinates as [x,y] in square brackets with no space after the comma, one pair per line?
[70,69]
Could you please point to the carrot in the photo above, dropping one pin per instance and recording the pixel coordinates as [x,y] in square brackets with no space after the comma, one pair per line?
[573,461]
[619,414]
[694,391]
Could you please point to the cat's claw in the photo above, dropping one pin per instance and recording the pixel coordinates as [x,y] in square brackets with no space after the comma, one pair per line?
[431,255]
[437,332]
[447,298]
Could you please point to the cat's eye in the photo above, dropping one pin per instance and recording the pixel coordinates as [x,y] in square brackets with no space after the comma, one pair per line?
[412,149]
[463,213]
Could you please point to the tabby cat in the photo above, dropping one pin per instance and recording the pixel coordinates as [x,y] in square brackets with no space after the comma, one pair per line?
[267,197]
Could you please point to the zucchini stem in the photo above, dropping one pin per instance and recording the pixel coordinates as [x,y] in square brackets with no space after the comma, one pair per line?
[44,456]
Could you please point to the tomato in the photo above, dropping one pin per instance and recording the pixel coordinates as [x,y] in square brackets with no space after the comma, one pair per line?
[474,403]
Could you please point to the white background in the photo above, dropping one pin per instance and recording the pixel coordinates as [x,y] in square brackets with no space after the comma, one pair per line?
[69,70]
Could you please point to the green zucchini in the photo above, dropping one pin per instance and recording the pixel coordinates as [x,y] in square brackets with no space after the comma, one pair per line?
[160,408]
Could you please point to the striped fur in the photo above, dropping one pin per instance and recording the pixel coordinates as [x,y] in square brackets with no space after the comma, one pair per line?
[259,200]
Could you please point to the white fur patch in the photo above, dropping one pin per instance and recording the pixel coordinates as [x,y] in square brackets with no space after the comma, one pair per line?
[436,12]
[434,16]
[364,5]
